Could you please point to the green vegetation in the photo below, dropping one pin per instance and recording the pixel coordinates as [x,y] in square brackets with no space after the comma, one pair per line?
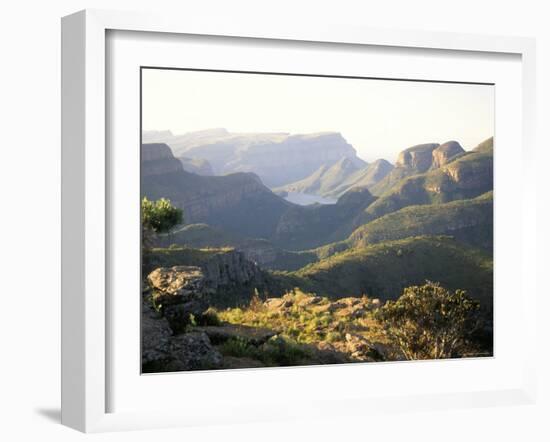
[384,269]
[468,221]
[429,322]
[335,179]
[310,329]
[300,317]
[304,227]
[367,176]
[277,352]
[467,176]
[157,217]
[425,322]
[160,216]
[281,284]
[262,251]
[238,203]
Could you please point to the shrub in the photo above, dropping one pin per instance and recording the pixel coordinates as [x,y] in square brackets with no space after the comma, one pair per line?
[430,322]
[160,215]
[238,348]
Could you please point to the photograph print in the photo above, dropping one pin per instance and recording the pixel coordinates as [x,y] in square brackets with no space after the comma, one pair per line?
[293,220]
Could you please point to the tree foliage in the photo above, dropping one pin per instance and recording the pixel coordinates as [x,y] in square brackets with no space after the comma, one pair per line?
[430,322]
[160,216]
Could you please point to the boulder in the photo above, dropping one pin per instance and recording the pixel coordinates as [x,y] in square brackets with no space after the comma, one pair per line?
[361,349]
[251,335]
[155,337]
[179,294]
[277,303]
[193,351]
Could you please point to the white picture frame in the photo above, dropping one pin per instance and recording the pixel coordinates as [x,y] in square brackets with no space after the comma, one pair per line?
[85,214]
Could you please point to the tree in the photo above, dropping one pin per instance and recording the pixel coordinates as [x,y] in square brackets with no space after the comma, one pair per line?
[158,216]
[430,322]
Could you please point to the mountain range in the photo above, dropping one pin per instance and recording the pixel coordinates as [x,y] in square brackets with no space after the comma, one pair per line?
[248,256]
[239,203]
[277,158]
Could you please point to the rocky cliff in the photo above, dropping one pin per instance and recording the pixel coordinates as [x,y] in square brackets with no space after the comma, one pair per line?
[445,153]
[226,276]
[466,175]
[416,160]
[157,159]
[238,202]
[278,158]
[417,157]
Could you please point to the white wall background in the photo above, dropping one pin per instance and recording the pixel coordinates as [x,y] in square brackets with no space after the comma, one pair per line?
[30,215]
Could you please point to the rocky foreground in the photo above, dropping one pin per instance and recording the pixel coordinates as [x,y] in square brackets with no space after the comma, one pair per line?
[181,332]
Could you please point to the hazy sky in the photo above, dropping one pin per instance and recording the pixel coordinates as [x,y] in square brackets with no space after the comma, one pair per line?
[378,117]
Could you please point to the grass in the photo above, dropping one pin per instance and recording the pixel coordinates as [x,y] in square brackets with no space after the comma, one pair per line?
[454,218]
[301,318]
[277,352]
[384,270]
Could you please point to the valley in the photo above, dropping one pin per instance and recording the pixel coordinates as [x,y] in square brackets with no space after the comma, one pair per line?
[293,250]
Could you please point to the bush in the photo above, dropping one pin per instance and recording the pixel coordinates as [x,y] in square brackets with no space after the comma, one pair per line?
[238,348]
[160,216]
[209,317]
[429,322]
[275,352]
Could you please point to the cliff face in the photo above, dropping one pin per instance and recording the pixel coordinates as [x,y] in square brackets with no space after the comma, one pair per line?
[227,277]
[411,161]
[445,153]
[278,158]
[293,158]
[417,157]
[157,159]
[467,175]
[239,202]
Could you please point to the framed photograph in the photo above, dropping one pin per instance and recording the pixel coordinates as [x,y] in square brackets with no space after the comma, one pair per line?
[264,222]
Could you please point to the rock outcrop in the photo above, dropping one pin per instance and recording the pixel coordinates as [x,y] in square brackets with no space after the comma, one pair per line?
[411,161]
[193,351]
[250,335]
[179,293]
[157,159]
[445,153]
[218,277]
[231,269]
[155,336]
[417,157]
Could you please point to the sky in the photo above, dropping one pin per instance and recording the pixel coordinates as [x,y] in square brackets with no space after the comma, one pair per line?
[378,117]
